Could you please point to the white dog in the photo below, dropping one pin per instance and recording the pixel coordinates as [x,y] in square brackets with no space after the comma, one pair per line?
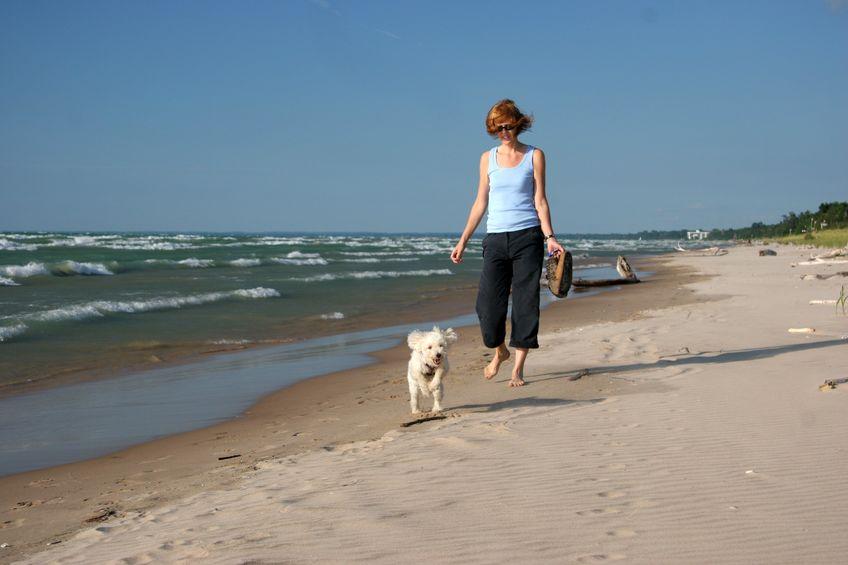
[428,365]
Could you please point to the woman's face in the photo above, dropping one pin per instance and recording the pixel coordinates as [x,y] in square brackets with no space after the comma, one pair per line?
[507,130]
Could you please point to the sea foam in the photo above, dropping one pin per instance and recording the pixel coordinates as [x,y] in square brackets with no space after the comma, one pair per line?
[8,332]
[373,275]
[7,245]
[191,262]
[245,262]
[31,269]
[307,261]
[8,282]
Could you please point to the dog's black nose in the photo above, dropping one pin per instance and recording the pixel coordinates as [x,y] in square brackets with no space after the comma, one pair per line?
[438,355]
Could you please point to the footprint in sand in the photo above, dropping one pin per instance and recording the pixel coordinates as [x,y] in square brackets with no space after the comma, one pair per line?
[612,494]
[621,533]
[613,467]
[42,483]
[599,512]
[641,503]
[17,523]
[601,557]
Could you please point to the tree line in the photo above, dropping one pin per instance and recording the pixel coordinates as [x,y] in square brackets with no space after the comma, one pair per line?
[830,215]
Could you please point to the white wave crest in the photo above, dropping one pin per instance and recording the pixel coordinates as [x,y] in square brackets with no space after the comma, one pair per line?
[300,255]
[7,245]
[333,316]
[317,278]
[258,292]
[245,262]
[74,268]
[191,262]
[196,263]
[307,261]
[406,252]
[363,260]
[8,332]
[379,260]
[8,282]
[374,275]
[101,308]
[31,269]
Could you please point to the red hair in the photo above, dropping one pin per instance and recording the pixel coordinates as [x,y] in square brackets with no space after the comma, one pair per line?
[507,110]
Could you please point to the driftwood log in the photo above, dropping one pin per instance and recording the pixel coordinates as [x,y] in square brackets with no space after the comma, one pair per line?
[832,383]
[422,420]
[824,277]
[623,268]
[831,254]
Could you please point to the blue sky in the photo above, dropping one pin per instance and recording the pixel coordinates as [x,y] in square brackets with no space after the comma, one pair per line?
[368,115]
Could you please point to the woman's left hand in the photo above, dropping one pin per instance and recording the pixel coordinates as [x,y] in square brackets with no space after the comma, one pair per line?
[554,247]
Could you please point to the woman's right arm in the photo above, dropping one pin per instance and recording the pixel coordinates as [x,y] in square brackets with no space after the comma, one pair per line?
[477,210]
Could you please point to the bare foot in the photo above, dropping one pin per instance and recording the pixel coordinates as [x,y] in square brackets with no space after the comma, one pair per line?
[495,364]
[516,380]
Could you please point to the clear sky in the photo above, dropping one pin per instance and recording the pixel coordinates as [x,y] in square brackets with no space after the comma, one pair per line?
[367,115]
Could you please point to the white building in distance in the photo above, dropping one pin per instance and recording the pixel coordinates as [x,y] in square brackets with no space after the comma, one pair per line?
[697,234]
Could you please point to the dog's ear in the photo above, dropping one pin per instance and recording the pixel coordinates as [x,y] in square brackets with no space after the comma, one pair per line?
[450,335]
[414,338]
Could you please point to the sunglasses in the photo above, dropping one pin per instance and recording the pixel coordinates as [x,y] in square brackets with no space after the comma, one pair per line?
[505,127]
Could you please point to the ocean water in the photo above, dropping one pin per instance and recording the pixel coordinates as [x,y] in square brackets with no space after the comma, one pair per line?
[86,302]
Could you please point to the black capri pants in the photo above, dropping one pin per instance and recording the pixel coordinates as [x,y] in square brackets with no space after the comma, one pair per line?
[511,259]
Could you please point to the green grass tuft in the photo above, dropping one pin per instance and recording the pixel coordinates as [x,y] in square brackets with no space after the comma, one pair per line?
[822,238]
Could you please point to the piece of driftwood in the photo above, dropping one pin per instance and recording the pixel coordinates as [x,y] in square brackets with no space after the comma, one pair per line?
[583,283]
[103,515]
[802,330]
[624,269]
[225,457]
[824,277]
[767,252]
[832,383]
[708,252]
[422,420]
[831,254]
[817,261]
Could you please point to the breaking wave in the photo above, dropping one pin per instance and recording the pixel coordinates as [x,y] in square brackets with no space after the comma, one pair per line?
[246,262]
[103,308]
[6,245]
[8,332]
[61,269]
[68,268]
[191,262]
[31,269]
[373,275]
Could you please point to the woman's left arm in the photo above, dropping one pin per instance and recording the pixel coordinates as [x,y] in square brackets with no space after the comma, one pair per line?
[541,201]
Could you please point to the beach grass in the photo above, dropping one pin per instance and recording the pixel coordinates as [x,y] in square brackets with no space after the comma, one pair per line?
[823,238]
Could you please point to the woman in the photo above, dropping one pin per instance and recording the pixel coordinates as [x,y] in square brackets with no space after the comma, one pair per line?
[512,187]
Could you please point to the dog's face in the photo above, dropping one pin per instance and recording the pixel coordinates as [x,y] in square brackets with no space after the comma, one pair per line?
[432,345]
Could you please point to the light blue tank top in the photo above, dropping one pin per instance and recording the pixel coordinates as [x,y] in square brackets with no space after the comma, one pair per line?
[511,203]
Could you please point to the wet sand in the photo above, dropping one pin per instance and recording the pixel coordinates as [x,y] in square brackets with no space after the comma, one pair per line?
[50,505]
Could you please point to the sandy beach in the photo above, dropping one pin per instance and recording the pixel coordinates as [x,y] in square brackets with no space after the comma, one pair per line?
[675,421]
